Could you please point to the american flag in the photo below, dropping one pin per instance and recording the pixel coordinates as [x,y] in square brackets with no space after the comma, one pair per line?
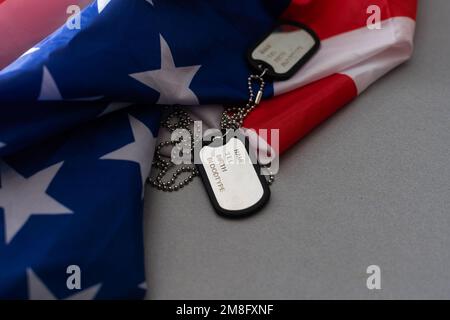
[79,115]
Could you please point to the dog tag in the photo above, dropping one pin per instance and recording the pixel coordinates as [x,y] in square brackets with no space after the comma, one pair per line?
[285,50]
[233,181]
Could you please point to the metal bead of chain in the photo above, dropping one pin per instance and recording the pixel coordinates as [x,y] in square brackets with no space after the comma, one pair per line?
[232,118]
[163,165]
[270,176]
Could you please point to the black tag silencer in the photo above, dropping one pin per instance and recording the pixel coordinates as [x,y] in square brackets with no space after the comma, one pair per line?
[233,180]
[285,50]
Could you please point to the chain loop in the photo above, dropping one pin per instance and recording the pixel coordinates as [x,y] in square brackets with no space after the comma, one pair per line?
[163,165]
[232,118]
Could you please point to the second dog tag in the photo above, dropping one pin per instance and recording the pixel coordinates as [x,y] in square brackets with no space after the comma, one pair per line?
[285,50]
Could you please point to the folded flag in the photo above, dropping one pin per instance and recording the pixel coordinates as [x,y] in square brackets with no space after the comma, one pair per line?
[353,55]
[79,116]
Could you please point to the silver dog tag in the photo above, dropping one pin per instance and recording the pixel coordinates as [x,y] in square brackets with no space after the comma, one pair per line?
[285,50]
[233,181]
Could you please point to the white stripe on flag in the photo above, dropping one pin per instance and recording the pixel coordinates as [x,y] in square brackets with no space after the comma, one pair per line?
[363,54]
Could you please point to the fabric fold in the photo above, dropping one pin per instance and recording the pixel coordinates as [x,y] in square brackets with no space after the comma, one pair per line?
[80,112]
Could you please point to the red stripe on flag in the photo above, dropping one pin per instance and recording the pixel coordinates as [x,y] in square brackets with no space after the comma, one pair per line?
[329,18]
[297,112]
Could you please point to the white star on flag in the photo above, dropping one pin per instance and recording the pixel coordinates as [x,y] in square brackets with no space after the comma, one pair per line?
[30,51]
[101,4]
[170,81]
[22,197]
[37,290]
[49,89]
[113,107]
[139,151]
[2,144]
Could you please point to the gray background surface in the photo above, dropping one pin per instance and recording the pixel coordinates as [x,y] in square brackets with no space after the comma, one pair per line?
[369,186]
